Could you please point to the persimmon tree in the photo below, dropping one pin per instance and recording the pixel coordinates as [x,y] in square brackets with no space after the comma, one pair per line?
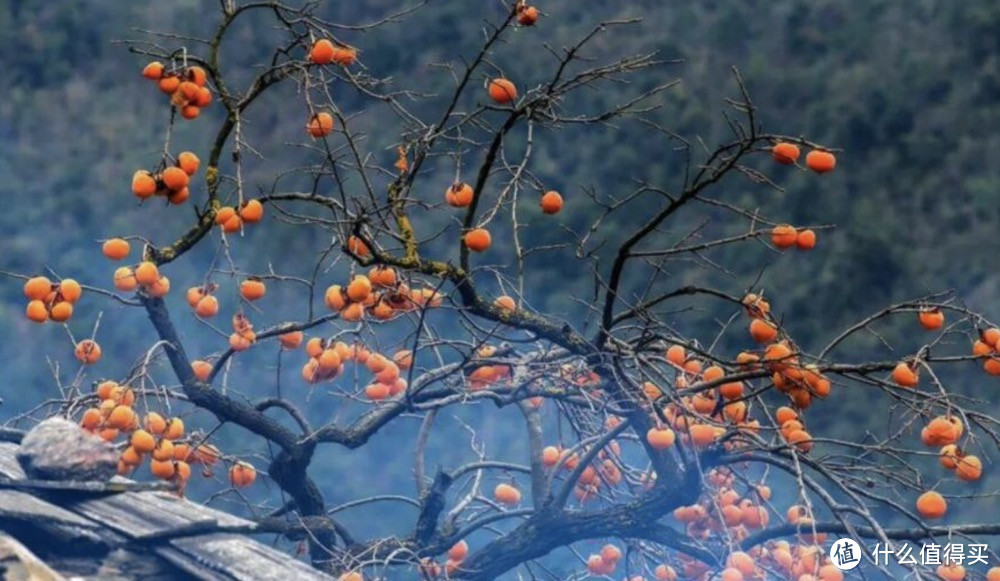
[661,446]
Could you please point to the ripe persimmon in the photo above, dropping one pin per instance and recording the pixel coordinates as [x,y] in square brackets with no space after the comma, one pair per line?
[153,71]
[242,474]
[505,303]
[383,276]
[905,375]
[763,331]
[931,318]
[786,153]
[224,214]
[459,551]
[143,442]
[345,56]
[233,224]
[375,362]
[36,311]
[353,312]
[950,455]
[252,211]
[459,195]
[377,391]
[507,494]
[611,553]
[291,340]
[146,273]
[61,312]
[551,202]
[69,290]
[801,440]
[550,456]
[188,163]
[207,307]
[742,562]
[357,246]
[204,98]
[702,435]
[241,341]
[202,369]
[169,84]
[162,469]
[37,288]
[784,236]
[187,93]
[197,75]
[121,417]
[731,390]
[359,288]
[335,298]
[980,349]
[320,124]
[805,240]
[107,390]
[942,431]
[175,429]
[124,279]
[88,352]
[660,438]
[951,572]
[756,306]
[785,414]
[174,178]
[403,358]
[969,468]
[321,52]
[329,362]
[932,505]
[820,161]
[252,289]
[712,373]
[478,239]
[155,424]
[502,91]
[160,288]
[116,249]
[676,355]
[527,15]
[131,456]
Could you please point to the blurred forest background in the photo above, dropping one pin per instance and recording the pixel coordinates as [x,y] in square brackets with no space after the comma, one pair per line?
[909,90]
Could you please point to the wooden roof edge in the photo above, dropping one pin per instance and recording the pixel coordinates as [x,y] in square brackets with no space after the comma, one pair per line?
[109,487]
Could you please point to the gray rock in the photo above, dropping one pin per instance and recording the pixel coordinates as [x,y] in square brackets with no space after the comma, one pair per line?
[58,449]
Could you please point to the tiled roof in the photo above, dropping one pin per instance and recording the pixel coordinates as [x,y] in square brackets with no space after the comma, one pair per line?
[83,529]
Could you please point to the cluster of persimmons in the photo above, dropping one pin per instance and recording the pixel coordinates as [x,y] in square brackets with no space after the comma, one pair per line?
[170,180]
[381,294]
[48,301]
[163,440]
[186,86]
